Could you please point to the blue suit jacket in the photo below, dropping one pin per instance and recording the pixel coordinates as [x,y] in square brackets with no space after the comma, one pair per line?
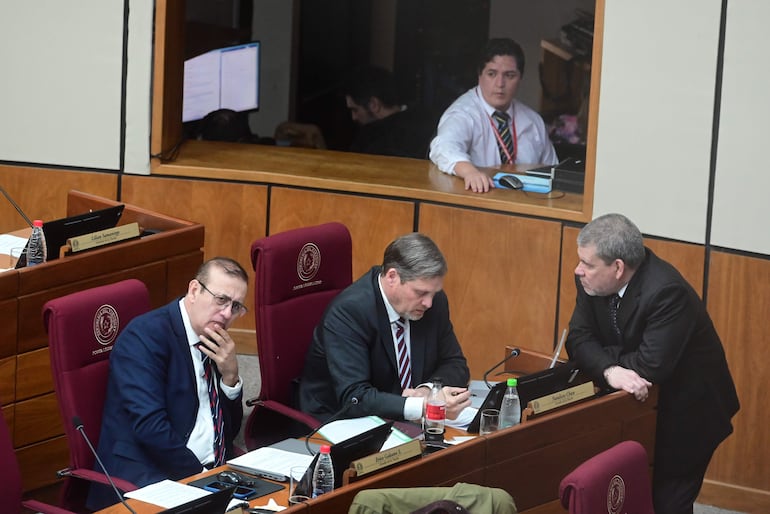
[152,403]
[352,354]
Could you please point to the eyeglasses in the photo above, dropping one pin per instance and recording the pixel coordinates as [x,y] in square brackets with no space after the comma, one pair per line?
[224,301]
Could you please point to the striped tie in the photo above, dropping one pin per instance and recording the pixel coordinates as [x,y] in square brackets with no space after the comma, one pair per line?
[505,135]
[404,367]
[614,304]
[216,412]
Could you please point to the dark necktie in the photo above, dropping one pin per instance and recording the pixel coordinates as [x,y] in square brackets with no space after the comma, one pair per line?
[404,366]
[505,136]
[614,303]
[216,412]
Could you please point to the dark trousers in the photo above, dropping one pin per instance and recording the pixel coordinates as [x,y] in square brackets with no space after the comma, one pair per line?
[676,494]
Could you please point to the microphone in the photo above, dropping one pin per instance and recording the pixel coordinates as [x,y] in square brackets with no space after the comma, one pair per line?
[335,416]
[78,423]
[16,206]
[515,352]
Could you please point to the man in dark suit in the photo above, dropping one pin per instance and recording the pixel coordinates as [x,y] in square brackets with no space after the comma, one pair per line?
[658,333]
[355,360]
[160,420]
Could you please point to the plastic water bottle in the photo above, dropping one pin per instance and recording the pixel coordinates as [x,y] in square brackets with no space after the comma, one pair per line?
[435,413]
[323,474]
[510,410]
[36,249]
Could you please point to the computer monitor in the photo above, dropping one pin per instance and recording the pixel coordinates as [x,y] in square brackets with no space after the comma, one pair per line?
[224,78]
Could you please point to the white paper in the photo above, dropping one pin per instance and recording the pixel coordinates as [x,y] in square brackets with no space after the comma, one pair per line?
[343,429]
[9,242]
[167,493]
[271,460]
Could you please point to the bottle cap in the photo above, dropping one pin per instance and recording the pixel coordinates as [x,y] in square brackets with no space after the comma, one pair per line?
[37,223]
[325,448]
[513,382]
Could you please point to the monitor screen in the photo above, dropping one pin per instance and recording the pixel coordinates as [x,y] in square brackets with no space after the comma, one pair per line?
[225,78]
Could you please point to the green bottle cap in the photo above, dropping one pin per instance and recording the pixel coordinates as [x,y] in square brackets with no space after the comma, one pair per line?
[513,382]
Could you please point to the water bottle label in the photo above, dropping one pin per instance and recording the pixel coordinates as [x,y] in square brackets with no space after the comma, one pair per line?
[435,412]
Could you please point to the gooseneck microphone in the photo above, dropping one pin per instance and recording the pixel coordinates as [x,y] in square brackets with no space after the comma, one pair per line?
[16,206]
[336,415]
[78,423]
[515,352]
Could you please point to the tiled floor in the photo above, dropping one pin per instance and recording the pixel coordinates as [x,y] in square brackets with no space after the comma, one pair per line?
[249,368]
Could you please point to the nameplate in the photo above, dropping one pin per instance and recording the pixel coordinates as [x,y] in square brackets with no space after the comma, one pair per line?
[387,458]
[103,237]
[560,398]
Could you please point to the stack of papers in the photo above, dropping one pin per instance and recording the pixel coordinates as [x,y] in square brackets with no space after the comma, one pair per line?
[270,460]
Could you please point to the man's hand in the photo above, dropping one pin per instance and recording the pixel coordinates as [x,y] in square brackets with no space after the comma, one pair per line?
[457,398]
[220,348]
[628,380]
[475,180]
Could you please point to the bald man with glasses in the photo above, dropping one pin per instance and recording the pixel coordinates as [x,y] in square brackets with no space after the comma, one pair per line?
[174,394]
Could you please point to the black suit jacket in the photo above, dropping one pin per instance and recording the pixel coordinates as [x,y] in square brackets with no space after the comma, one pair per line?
[352,355]
[669,339]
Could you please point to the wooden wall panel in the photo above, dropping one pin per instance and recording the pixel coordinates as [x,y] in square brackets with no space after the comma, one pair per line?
[8,313]
[739,302]
[7,380]
[40,462]
[34,374]
[37,419]
[373,222]
[233,215]
[502,280]
[48,202]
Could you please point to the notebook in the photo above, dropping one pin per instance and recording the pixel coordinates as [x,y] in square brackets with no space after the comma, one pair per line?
[214,503]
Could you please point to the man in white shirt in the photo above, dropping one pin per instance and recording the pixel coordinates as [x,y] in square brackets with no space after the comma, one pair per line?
[486,126]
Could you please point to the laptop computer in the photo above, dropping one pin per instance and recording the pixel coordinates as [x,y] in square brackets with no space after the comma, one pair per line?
[345,452]
[530,387]
[58,231]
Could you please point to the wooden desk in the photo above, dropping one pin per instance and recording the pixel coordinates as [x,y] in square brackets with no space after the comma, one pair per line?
[528,460]
[164,262]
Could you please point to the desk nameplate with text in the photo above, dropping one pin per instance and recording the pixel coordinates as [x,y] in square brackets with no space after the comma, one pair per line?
[103,237]
[387,458]
[561,398]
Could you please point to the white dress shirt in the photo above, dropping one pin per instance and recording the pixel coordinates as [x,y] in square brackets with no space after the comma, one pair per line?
[465,134]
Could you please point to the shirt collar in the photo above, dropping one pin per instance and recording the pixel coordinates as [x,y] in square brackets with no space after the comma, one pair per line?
[393,316]
[192,337]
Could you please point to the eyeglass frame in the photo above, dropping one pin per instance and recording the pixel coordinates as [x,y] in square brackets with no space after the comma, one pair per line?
[224,301]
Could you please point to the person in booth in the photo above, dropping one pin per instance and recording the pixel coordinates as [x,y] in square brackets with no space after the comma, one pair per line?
[386,127]
[382,340]
[486,126]
[173,404]
[637,322]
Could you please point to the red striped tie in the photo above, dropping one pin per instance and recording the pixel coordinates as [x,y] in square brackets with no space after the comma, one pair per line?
[216,412]
[404,367]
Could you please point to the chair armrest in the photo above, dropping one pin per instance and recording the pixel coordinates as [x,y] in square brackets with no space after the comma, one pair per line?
[44,508]
[300,416]
[101,478]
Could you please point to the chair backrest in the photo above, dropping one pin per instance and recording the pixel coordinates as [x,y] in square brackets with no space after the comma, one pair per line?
[10,485]
[615,481]
[82,329]
[297,273]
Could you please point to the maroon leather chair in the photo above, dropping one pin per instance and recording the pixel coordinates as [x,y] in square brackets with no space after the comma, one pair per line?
[10,485]
[614,481]
[82,328]
[297,273]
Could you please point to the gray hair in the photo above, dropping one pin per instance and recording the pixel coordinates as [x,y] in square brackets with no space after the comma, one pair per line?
[615,237]
[414,256]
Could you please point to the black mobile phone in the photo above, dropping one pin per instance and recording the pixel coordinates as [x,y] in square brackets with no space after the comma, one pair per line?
[241,491]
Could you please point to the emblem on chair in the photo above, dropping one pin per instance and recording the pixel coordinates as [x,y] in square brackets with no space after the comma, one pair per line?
[106,324]
[308,262]
[616,495]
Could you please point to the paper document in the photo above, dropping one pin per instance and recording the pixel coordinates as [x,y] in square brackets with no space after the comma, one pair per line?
[344,429]
[271,460]
[167,493]
[9,242]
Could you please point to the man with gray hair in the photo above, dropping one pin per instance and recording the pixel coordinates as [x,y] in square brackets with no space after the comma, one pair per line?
[385,338]
[637,322]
